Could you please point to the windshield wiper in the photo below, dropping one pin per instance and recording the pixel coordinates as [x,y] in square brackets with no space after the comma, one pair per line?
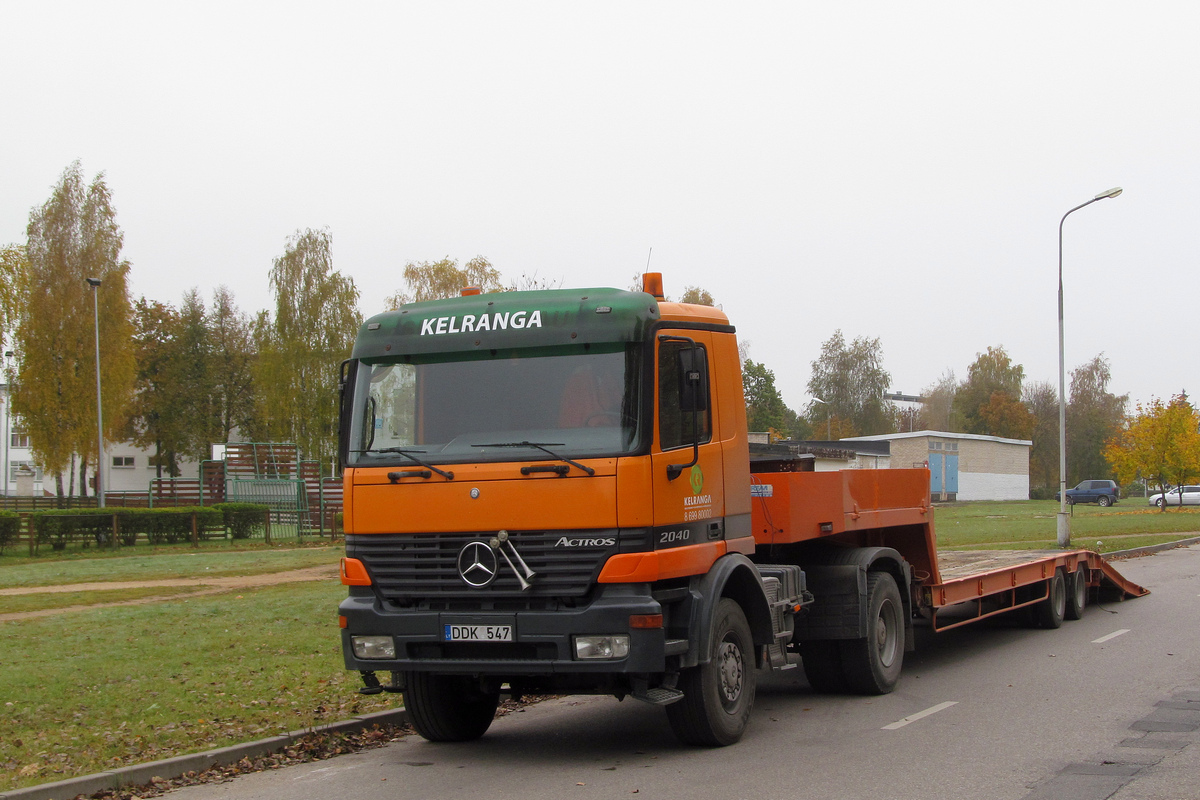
[409,455]
[542,446]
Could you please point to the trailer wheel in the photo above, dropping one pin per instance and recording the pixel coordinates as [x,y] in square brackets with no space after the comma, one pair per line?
[718,696]
[872,664]
[1050,612]
[448,708]
[1077,594]
[822,663]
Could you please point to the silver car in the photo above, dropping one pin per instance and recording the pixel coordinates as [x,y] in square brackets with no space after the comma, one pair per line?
[1190,496]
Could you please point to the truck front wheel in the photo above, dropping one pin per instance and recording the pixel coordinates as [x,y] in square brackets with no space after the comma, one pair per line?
[872,664]
[718,696]
[448,708]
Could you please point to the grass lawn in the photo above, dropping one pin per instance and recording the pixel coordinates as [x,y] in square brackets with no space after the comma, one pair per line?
[90,690]
[1031,524]
[168,561]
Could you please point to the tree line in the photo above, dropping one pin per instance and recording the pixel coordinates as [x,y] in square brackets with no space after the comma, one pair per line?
[174,379]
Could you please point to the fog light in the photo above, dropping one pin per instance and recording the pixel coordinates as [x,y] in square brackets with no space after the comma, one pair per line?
[373,646]
[593,647]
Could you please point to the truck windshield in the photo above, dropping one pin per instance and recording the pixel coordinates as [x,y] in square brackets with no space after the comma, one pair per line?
[581,404]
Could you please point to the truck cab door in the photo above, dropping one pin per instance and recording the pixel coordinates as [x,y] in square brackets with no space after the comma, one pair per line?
[686,457]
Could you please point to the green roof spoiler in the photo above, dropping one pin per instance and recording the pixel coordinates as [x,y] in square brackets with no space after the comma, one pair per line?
[508,320]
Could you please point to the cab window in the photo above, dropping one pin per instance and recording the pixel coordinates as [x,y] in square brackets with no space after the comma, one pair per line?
[677,423]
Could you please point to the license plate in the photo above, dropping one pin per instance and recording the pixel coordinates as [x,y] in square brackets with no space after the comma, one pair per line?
[478,633]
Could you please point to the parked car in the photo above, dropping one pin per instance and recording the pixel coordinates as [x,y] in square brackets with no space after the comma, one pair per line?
[1179,496]
[1106,493]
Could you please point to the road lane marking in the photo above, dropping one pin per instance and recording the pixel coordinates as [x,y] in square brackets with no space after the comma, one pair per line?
[920,715]
[1112,635]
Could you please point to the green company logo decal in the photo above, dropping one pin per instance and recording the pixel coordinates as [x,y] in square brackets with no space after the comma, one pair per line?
[697,479]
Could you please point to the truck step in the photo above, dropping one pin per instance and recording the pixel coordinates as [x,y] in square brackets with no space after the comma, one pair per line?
[659,696]
[777,658]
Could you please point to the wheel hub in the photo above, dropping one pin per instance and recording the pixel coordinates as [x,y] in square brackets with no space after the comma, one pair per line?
[886,637]
[730,671]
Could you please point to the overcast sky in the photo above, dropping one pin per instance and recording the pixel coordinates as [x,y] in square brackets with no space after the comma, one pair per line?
[895,170]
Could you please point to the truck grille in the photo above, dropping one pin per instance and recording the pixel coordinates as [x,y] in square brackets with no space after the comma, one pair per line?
[424,566]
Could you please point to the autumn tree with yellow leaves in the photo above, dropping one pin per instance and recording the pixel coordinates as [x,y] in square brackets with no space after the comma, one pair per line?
[1161,443]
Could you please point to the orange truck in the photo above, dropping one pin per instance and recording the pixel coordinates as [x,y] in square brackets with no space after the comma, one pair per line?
[554,492]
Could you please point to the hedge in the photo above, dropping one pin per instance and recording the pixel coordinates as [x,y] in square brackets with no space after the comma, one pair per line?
[10,526]
[158,525]
[243,520]
[168,525]
[60,526]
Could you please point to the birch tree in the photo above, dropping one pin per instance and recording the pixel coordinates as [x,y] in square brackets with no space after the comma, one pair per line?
[434,280]
[233,356]
[312,332]
[73,236]
[850,381]
[13,265]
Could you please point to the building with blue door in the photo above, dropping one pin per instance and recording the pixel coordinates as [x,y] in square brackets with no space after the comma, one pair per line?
[962,466]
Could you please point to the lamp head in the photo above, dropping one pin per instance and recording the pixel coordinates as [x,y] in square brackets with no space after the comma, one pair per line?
[1110,193]
[96,281]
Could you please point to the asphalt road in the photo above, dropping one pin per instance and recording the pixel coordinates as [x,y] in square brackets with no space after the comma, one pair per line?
[1107,706]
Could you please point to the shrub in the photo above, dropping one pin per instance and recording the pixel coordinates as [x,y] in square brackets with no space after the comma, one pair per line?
[161,525]
[10,526]
[243,520]
[61,526]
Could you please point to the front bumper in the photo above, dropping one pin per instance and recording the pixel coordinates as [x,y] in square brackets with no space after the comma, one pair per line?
[542,643]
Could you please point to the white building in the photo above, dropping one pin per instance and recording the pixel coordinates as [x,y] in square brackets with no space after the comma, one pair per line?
[127,468]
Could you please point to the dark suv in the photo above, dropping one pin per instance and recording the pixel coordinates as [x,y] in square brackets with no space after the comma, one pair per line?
[1106,493]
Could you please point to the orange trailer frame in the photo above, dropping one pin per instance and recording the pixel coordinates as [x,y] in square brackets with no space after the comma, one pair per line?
[891,508]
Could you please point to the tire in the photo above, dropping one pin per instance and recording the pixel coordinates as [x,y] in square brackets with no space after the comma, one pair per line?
[872,664]
[448,708]
[1159,502]
[1050,612]
[1070,501]
[822,661]
[718,696]
[1077,592]
[1105,501]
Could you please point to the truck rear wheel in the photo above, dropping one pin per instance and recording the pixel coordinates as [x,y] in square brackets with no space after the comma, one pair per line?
[872,664]
[822,661]
[1050,612]
[718,696]
[448,708]
[1077,593]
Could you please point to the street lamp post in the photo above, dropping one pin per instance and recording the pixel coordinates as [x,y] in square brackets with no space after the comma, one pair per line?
[95,284]
[1064,521]
[828,422]
[7,418]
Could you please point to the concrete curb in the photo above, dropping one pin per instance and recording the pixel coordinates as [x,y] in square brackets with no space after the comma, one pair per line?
[178,766]
[1151,549]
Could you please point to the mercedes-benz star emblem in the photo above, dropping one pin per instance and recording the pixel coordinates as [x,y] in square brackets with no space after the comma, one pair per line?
[477,564]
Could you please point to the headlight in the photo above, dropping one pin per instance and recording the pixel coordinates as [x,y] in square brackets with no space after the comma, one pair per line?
[601,647]
[373,646]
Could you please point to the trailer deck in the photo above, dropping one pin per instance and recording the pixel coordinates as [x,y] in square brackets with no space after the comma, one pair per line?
[974,584]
